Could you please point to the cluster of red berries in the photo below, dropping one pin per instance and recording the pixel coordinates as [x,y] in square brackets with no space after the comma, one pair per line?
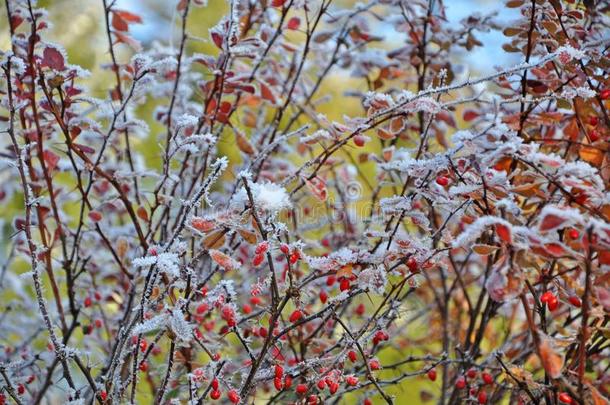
[232,395]
[550,299]
[380,336]
[471,374]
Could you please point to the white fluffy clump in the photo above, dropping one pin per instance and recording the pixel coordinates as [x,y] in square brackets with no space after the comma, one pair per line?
[267,196]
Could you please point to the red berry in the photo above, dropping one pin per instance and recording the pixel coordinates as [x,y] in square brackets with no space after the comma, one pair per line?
[215,384]
[432,374]
[472,373]
[215,394]
[351,380]
[258,259]
[143,366]
[367,402]
[2,399]
[412,265]
[344,284]
[21,389]
[359,140]
[333,388]
[321,385]
[574,300]
[293,23]
[565,398]
[487,378]
[546,297]
[352,356]
[323,297]
[103,395]
[285,249]
[261,248]
[279,371]
[294,257]
[330,280]
[593,120]
[460,383]
[233,396]
[593,135]
[301,388]
[360,309]
[553,303]
[98,323]
[295,316]
[482,398]
[442,181]
[574,234]
[287,382]
[201,308]
[374,364]
[247,309]
[313,399]
[277,382]
[87,302]
[604,94]
[262,332]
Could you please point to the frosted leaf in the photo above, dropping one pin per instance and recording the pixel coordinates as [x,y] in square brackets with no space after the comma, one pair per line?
[566,54]
[181,328]
[373,279]
[155,323]
[474,230]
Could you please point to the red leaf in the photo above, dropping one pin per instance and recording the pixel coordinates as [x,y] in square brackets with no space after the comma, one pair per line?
[52,58]
[118,23]
[277,3]
[470,115]
[84,148]
[16,21]
[293,23]
[267,94]
[504,233]
[551,221]
[217,38]
[604,257]
[129,17]
[50,159]
[127,40]
[555,249]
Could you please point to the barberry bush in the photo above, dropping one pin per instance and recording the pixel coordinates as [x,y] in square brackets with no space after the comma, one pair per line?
[229,221]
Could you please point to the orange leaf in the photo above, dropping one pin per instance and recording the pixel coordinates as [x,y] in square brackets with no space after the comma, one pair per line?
[551,361]
[223,260]
[243,143]
[118,23]
[591,155]
[345,271]
[129,17]
[142,214]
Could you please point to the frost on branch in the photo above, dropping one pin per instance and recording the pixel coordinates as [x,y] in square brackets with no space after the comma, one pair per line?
[305,202]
